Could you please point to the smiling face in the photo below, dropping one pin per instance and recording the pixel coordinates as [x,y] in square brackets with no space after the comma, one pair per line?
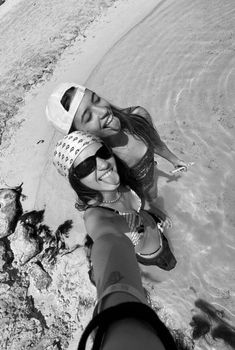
[104,177]
[94,115]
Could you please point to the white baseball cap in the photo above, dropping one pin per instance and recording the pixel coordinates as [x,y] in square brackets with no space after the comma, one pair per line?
[67,149]
[60,118]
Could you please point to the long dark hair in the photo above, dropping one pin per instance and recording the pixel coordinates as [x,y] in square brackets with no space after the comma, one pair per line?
[138,125]
[86,194]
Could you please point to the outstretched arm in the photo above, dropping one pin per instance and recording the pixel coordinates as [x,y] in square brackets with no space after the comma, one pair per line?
[118,280]
[163,151]
[114,262]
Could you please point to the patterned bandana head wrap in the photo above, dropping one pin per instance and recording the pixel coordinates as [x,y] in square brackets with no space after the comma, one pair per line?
[69,148]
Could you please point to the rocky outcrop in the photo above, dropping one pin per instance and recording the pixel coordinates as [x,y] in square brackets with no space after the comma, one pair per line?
[26,243]
[6,255]
[10,209]
[40,277]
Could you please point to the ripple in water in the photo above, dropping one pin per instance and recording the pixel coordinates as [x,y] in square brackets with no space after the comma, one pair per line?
[179,64]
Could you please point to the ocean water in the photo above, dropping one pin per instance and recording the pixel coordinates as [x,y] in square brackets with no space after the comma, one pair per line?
[179,63]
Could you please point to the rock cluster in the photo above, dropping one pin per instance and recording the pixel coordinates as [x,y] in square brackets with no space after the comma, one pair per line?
[41,278]
[37,297]
[25,241]
[10,209]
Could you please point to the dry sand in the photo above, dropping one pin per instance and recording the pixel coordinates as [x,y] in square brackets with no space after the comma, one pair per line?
[176,58]
[43,43]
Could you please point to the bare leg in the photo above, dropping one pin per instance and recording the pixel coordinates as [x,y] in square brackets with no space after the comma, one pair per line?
[150,202]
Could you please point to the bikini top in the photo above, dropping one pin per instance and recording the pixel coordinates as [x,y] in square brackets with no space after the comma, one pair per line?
[143,171]
[134,221]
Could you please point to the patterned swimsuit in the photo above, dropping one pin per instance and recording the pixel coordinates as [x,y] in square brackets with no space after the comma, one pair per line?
[143,171]
[134,221]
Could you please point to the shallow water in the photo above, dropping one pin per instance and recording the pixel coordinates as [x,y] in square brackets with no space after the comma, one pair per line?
[179,64]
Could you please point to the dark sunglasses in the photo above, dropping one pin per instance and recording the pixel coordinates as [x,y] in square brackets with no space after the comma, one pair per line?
[89,165]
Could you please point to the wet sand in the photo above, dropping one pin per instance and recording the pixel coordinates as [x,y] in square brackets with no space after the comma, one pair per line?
[175,58]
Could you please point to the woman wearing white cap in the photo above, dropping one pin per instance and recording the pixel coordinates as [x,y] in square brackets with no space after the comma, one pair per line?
[129,132]
[105,194]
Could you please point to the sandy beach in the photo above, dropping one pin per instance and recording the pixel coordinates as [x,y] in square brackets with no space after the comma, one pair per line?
[176,59]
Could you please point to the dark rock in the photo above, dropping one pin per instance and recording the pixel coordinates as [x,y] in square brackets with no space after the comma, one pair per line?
[26,242]
[201,326]
[55,244]
[212,321]
[41,278]
[10,209]
[6,255]
[2,255]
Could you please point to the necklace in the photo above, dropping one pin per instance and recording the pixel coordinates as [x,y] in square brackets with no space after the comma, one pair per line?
[113,200]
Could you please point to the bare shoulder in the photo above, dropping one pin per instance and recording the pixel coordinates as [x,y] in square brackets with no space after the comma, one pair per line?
[95,214]
[142,112]
[99,221]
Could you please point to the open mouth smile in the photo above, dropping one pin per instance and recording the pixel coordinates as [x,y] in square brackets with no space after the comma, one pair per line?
[108,120]
[106,174]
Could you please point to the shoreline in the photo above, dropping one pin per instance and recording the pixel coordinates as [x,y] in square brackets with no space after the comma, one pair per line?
[26,148]
[177,60]
[28,124]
